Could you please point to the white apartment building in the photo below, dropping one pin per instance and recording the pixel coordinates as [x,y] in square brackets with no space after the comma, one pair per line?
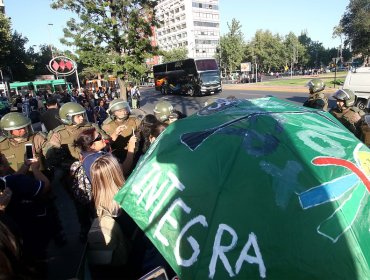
[2,7]
[193,24]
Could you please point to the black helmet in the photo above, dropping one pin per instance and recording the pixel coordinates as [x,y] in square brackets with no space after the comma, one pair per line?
[162,110]
[15,120]
[70,109]
[316,85]
[347,96]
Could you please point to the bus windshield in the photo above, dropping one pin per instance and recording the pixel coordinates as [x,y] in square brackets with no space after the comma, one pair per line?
[210,77]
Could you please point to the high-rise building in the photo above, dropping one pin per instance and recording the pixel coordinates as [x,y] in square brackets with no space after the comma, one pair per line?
[2,7]
[191,24]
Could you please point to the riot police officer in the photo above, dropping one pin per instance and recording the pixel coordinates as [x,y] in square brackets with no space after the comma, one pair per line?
[59,150]
[164,112]
[120,126]
[346,111]
[17,131]
[317,98]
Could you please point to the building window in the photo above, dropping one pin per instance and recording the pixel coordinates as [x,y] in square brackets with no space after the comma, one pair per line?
[206,24]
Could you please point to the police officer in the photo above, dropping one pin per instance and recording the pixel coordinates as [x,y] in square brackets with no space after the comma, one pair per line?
[317,98]
[345,111]
[17,131]
[120,126]
[59,150]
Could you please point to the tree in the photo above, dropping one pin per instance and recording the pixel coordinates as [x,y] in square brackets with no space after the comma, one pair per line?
[5,39]
[175,54]
[111,36]
[355,25]
[268,51]
[294,50]
[232,47]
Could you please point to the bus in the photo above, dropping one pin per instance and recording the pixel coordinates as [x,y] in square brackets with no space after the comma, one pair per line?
[21,88]
[189,76]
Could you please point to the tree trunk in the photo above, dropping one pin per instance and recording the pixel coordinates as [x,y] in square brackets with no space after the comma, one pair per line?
[122,89]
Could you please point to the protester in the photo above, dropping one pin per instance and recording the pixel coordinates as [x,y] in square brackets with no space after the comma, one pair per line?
[29,210]
[50,119]
[107,179]
[101,111]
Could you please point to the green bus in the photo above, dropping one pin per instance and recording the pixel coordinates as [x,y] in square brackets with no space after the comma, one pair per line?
[21,88]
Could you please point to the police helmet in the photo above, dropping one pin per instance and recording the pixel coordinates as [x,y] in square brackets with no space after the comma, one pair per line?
[15,120]
[118,104]
[70,109]
[345,95]
[162,110]
[316,85]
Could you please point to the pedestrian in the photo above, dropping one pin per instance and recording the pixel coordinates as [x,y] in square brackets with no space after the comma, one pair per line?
[135,96]
[50,119]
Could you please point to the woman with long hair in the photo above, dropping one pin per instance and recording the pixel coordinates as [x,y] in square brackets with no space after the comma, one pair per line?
[107,179]
[91,145]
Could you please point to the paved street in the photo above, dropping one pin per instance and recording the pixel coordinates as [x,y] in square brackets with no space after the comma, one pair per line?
[189,105]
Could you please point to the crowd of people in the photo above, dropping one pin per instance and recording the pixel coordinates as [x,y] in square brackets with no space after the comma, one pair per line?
[89,144]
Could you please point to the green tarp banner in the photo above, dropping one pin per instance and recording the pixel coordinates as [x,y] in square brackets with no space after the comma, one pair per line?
[253,189]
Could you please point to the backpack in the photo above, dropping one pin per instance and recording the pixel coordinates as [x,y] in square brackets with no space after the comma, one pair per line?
[81,186]
[136,94]
[106,243]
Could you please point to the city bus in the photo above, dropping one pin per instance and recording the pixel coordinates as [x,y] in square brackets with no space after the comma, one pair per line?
[189,76]
[21,88]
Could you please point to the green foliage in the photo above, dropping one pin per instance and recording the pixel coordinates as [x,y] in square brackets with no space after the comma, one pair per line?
[232,47]
[111,36]
[174,54]
[355,25]
[5,39]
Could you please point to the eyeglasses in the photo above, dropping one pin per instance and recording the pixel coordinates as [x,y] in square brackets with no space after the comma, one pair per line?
[98,138]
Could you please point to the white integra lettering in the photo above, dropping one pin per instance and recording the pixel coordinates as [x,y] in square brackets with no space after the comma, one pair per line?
[252,242]
[136,188]
[168,218]
[175,183]
[219,251]
[193,243]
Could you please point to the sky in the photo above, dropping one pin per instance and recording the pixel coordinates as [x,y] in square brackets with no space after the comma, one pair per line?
[32,18]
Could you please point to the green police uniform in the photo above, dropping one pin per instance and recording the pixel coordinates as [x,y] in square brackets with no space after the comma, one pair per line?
[14,151]
[349,115]
[119,147]
[12,144]
[59,149]
[350,118]
[317,98]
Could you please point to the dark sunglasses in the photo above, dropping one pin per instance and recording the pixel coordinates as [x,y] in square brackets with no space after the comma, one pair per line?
[98,138]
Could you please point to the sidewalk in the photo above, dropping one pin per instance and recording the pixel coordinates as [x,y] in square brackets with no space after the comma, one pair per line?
[261,87]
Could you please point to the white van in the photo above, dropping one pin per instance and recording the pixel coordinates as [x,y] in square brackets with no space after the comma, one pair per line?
[358,80]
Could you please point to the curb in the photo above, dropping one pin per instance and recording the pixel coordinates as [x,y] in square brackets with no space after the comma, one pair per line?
[271,88]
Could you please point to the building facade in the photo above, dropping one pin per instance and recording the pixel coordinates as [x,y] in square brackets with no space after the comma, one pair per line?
[190,24]
[2,7]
